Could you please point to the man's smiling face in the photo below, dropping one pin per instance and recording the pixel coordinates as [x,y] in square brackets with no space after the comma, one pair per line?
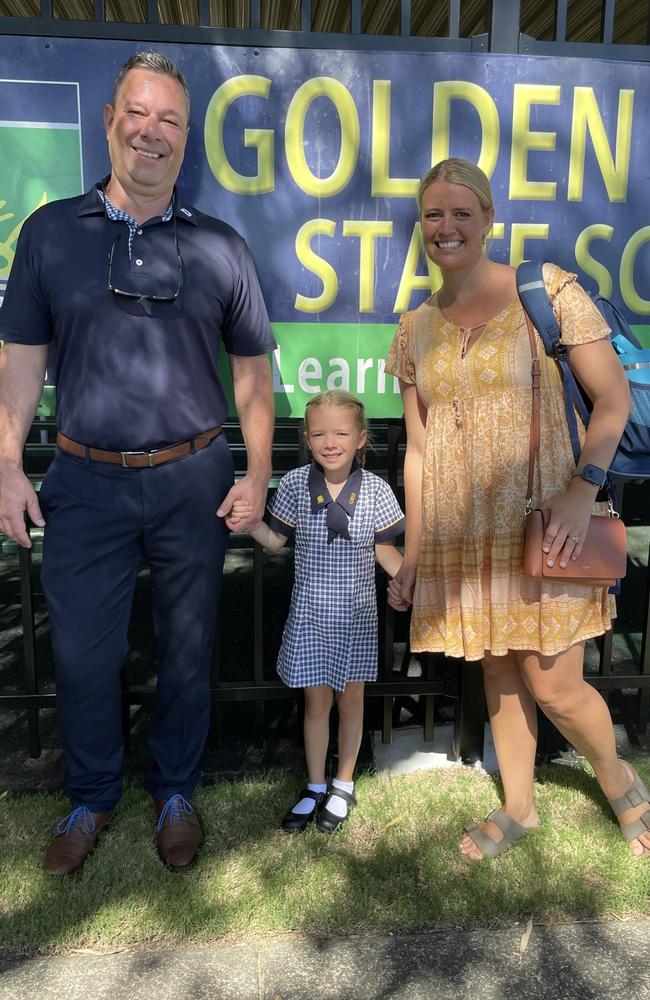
[146,132]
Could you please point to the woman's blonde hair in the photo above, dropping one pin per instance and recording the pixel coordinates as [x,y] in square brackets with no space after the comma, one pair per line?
[458,171]
[339,397]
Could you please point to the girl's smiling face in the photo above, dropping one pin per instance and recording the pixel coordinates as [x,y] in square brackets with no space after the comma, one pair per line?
[453,224]
[333,435]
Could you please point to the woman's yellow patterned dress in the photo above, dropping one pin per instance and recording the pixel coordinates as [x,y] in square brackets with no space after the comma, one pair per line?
[471,595]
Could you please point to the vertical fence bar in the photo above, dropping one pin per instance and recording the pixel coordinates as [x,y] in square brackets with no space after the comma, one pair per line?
[204,13]
[258,648]
[355,26]
[256,14]
[472,712]
[505,18]
[99,10]
[392,454]
[305,15]
[29,648]
[559,28]
[607,22]
[389,657]
[46,10]
[454,18]
[429,702]
[152,11]
[644,666]
[214,735]
[405,18]
[605,645]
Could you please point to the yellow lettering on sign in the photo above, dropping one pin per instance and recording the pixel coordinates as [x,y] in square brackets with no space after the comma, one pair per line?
[314,263]
[368,232]
[462,90]
[294,136]
[589,264]
[587,116]
[257,138]
[382,184]
[519,233]
[631,297]
[526,94]
[411,280]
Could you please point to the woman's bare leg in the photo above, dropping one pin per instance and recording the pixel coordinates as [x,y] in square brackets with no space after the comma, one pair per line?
[513,718]
[581,715]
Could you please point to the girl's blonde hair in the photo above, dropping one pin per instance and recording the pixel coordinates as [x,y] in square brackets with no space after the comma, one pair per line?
[339,397]
[459,171]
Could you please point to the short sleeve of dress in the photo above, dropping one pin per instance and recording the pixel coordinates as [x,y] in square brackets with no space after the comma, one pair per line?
[578,317]
[389,519]
[282,510]
[400,360]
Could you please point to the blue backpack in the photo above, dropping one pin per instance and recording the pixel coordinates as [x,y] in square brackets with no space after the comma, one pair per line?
[632,458]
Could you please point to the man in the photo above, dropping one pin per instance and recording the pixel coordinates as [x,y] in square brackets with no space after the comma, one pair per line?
[134,290]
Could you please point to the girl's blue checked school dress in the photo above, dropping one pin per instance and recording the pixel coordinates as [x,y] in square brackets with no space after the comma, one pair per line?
[330,636]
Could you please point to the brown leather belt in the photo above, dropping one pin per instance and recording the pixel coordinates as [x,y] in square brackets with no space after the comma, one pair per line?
[139,459]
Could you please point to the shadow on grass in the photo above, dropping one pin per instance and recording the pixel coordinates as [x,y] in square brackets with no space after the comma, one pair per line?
[395,867]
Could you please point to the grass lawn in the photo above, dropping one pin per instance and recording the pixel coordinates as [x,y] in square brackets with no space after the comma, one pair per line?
[394,867]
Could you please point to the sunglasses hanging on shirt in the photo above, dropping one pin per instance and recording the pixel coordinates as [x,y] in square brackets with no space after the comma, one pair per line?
[158,277]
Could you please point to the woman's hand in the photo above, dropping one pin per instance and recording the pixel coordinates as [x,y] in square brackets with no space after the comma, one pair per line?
[400,588]
[566,516]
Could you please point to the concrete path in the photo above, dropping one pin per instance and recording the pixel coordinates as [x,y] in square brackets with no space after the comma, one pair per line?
[588,961]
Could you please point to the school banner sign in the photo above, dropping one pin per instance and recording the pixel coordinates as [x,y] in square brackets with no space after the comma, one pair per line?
[315,156]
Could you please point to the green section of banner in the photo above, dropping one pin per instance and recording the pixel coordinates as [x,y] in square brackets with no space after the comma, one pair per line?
[318,356]
[37,165]
[314,357]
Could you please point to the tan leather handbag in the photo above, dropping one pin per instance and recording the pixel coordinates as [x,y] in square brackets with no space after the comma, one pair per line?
[603,559]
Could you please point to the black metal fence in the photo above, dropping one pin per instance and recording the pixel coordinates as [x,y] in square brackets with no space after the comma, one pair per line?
[612,29]
[255,679]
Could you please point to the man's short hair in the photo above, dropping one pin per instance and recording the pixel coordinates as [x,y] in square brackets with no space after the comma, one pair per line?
[157,63]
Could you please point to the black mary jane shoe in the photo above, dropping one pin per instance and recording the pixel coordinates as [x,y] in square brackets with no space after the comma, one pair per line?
[296,822]
[328,822]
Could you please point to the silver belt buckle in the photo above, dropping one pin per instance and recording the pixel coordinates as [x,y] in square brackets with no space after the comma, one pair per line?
[150,455]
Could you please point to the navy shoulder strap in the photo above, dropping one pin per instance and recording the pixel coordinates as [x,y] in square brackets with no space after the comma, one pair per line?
[534,298]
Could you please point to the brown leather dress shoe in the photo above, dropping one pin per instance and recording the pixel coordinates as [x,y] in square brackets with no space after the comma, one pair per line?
[178,834]
[76,837]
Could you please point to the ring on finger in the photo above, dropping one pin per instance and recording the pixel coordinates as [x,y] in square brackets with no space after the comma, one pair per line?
[575,539]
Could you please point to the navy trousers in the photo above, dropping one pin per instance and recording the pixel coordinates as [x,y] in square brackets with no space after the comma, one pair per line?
[102,521]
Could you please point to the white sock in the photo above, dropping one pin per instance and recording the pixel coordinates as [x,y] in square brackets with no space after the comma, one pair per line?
[305,806]
[337,805]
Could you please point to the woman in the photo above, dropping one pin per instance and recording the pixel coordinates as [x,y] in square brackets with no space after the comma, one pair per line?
[463,359]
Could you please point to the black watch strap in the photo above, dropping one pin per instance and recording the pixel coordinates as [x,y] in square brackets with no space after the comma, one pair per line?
[592,474]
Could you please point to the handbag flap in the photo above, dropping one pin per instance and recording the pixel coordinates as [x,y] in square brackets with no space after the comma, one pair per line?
[603,556]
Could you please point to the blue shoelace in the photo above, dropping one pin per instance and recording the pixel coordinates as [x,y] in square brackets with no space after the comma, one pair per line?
[176,808]
[81,816]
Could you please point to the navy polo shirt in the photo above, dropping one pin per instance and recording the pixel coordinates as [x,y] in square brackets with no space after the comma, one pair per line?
[132,373]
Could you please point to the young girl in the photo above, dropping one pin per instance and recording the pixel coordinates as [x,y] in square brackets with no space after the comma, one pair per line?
[339,513]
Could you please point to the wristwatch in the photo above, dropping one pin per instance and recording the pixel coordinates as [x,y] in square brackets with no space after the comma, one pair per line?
[592,474]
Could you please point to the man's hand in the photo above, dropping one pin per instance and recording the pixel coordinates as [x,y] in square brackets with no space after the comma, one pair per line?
[17,496]
[251,490]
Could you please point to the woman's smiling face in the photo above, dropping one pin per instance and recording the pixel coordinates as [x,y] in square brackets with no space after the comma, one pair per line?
[453,224]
